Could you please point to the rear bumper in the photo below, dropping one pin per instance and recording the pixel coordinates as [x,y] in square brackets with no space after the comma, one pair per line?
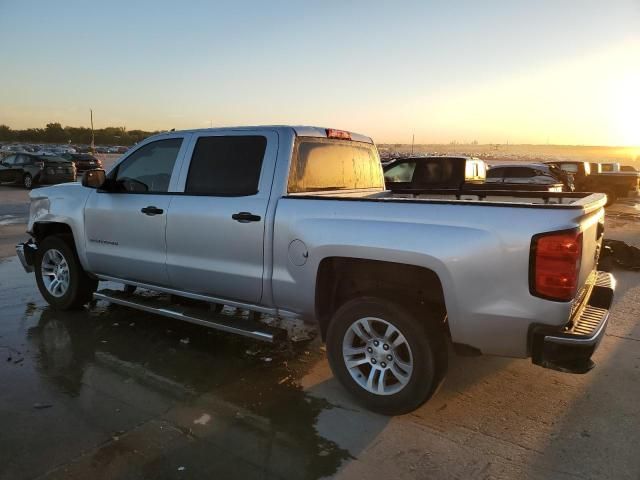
[570,348]
[81,170]
[26,253]
[53,178]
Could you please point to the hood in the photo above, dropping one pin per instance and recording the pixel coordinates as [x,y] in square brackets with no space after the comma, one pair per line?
[73,189]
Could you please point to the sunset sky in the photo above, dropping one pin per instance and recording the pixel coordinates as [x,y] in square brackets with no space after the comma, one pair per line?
[564,72]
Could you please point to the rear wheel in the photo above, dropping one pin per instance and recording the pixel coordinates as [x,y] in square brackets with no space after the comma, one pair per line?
[387,358]
[60,277]
[27,181]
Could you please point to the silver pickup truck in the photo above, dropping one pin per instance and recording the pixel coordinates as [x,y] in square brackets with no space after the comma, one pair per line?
[295,222]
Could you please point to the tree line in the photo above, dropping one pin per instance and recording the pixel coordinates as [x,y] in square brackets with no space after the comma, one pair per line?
[56,133]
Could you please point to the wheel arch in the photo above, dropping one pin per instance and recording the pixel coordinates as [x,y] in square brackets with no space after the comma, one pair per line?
[340,279]
[41,230]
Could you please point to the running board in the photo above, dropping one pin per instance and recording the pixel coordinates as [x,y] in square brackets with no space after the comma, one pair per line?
[199,316]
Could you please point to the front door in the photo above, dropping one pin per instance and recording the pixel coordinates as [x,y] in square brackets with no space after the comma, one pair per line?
[216,228]
[125,226]
[8,169]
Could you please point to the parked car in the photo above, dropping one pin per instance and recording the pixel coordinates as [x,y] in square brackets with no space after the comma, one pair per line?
[529,174]
[458,175]
[28,170]
[83,161]
[296,222]
[614,184]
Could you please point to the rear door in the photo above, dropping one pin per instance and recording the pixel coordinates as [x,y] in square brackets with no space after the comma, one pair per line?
[215,229]
[125,230]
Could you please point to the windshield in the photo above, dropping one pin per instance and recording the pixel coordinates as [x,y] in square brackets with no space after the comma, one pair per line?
[323,164]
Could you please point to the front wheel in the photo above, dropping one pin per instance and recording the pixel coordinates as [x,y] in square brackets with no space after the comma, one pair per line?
[387,358]
[61,279]
[27,181]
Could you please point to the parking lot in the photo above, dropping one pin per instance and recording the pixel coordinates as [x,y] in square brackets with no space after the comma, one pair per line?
[114,393]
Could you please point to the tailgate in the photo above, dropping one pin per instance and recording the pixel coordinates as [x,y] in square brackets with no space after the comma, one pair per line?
[592,228]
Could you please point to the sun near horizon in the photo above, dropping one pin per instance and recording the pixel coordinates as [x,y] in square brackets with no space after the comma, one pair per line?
[504,72]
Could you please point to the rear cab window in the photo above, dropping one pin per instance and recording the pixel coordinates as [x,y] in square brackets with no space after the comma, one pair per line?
[569,167]
[323,164]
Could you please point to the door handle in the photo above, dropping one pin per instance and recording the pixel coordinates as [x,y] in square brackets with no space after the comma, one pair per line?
[151,210]
[245,217]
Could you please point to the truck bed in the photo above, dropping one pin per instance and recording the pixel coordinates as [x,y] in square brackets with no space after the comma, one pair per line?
[511,198]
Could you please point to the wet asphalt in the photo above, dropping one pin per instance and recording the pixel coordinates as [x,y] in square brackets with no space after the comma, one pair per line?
[108,392]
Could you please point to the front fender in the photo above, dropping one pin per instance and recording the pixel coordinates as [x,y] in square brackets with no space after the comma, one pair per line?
[62,204]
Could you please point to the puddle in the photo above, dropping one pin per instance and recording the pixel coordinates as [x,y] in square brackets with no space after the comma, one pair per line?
[111,369]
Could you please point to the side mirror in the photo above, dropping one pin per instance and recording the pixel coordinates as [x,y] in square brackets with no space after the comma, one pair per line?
[93,178]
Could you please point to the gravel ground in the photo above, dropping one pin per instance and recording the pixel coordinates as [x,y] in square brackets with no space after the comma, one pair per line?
[112,393]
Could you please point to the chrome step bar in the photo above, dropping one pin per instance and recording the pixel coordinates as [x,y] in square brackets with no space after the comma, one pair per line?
[200,316]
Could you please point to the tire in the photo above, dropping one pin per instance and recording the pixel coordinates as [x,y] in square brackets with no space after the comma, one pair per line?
[27,181]
[57,255]
[424,349]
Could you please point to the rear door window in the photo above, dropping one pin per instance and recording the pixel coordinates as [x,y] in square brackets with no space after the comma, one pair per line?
[226,165]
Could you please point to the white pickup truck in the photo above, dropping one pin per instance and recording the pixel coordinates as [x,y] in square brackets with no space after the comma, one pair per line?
[295,222]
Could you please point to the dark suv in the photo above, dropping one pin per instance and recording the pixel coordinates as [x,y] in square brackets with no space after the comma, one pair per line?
[82,161]
[27,169]
[530,173]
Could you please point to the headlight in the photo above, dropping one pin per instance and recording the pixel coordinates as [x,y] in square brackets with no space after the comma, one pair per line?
[38,207]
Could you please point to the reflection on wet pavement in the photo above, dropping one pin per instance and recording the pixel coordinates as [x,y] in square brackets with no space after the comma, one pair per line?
[128,394]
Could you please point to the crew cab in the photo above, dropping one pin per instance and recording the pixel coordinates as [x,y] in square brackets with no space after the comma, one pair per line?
[614,183]
[296,223]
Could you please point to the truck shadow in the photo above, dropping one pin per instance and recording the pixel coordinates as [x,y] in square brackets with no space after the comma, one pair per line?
[598,433]
[234,407]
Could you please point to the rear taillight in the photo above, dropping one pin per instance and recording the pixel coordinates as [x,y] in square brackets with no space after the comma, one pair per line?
[555,265]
